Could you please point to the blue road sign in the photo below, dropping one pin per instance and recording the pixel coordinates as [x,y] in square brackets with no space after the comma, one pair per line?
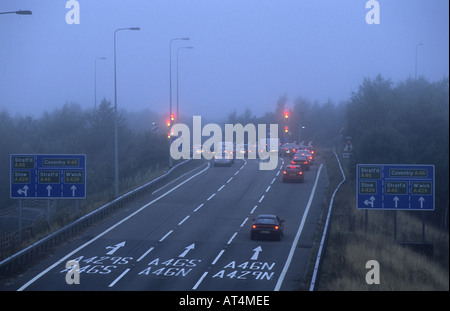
[395,187]
[48,176]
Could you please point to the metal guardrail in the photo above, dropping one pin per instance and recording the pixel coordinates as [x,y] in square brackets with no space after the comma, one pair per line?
[20,259]
[322,246]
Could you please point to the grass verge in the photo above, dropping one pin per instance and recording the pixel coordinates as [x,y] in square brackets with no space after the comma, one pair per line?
[354,239]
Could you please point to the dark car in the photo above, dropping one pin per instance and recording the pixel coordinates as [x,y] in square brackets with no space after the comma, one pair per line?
[302,161]
[293,173]
[267,226]
[307,153]
[288,149]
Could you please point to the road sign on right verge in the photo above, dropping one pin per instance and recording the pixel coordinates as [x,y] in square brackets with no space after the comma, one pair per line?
[395,187]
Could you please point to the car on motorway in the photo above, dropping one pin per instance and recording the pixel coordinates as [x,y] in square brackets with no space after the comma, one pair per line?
[267,226]
[302,161]
[288,149]
[293,173]
[307,153]
[223,159]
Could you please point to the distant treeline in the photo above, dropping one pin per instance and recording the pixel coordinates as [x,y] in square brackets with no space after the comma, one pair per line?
[403,123]
[72,130]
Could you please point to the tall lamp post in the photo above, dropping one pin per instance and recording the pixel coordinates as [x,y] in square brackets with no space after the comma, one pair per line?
[415,66]
[180,48]
[116,143]
[170,89]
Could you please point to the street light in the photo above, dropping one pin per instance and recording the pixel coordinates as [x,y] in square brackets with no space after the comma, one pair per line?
[116,143]
[95,81]
[170,83]
[415,67]
[20,12]
[180,48]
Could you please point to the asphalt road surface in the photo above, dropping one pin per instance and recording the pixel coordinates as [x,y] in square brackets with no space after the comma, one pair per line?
[193,234]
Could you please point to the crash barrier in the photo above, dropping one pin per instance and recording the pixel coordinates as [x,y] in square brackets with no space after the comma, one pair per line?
[19,260]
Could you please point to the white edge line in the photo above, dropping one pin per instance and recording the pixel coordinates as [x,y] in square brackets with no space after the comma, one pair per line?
[200,280]
[297,236]
[108,230]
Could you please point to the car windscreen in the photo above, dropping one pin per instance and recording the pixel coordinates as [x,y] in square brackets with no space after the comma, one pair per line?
[266,221]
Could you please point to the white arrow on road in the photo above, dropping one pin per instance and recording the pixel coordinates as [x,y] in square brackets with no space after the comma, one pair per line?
[114,248]
[188,248]
[421,200]
[396,199]
[256,254]
[73,188]
[370,201]
[49,188]
[24,190]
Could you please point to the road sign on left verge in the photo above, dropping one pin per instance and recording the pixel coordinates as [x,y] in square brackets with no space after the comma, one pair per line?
[48,176]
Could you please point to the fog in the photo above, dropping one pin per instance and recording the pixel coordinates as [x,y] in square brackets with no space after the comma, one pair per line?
[246,53]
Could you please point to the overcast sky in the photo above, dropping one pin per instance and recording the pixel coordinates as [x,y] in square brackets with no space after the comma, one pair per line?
[247,53]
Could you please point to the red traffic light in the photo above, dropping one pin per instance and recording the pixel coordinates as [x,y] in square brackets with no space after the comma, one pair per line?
[286,114]
[286,129]
[172,116]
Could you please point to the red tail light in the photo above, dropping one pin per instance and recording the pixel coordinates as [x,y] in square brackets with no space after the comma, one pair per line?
[276,227]
[306,162]
[292,162]
[284,172]
[300,173]
[254,226]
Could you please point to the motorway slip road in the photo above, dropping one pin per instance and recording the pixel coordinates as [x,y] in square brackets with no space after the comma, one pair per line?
[193,234]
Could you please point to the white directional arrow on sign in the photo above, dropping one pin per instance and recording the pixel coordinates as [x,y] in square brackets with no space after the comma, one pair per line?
[24,190]
[396,199]
[49,189]
[421,200]
[114,248]
[370,201]
[73,188]
[188,248]
[256,254]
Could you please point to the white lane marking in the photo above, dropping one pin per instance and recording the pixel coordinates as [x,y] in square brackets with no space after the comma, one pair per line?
[267,189]
[108,230]
[185,218]
[253,209]
[237,172]
[231,239]
[278,173]
[243,223]
[221,188]
[145,254]
[119,277]
[200,280]
[297,236]
[199,207]
[164,237]
[262,198]
[217,257]
[210,197]
[229,180]
[273,180]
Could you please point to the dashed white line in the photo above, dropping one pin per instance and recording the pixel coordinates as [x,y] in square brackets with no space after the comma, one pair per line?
[185,218]
[210,197]
[229,180]
[267,189]
[273,180]
[243,223]
[199,207]
[231,239]
[221,188]
[119,277]
[278,173]
[200,280]
[167,234]
[237,172]
[217,257]
[262,198]
[145,254]
[253,209]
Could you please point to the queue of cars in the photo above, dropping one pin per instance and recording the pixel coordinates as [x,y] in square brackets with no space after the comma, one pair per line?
[301,158]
